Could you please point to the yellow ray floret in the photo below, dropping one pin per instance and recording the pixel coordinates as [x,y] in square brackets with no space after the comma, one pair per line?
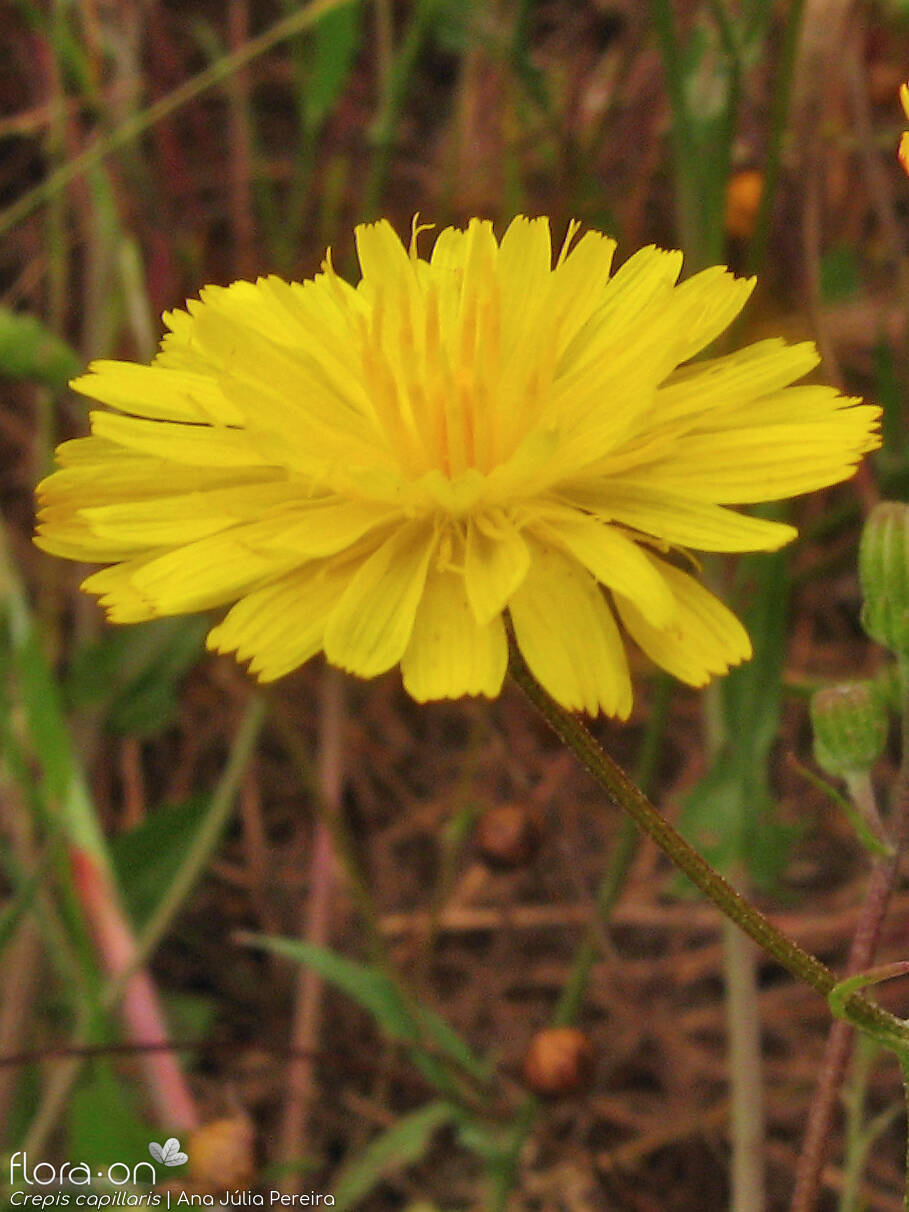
[498,431]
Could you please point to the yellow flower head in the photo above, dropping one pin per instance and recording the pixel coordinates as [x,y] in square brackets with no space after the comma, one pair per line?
[903,150]
[382,472]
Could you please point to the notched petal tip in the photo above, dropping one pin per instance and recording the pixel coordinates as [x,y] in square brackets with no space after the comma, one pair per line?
[83,383]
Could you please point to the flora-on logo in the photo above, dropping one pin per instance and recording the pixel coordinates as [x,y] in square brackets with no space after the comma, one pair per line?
[169,1154]
[79,1174]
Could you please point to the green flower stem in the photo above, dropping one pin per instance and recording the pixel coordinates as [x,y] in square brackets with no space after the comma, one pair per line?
[867,821]
[863,1013]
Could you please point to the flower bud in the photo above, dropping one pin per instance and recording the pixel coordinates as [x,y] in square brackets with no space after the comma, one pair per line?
[560,1060]
[884,575]
[850,727]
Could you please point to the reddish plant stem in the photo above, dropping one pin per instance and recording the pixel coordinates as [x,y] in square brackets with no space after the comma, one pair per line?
[884,872]
[315,928]
[240,171]
[175,1108]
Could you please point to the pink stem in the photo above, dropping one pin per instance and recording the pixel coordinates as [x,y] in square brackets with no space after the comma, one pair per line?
[175,1108]
[315,928]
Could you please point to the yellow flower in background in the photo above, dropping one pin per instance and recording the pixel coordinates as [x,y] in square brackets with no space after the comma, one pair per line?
[382,472]
[903,150]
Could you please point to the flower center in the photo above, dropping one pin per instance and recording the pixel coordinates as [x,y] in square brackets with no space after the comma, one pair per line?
[449,393]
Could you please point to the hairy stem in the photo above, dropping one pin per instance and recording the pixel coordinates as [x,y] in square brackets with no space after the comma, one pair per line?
[621,792]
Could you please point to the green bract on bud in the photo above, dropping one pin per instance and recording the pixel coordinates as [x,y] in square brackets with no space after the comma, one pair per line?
[888,687]
[850,727]
[884,575]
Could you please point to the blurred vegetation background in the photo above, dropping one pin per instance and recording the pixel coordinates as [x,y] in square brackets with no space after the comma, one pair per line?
[316,934]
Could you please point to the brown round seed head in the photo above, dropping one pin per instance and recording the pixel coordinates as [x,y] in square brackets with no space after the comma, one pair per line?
[508,835]
[559,1061]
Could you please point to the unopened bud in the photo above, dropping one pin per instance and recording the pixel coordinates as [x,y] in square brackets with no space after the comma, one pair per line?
[884,575]
[560,1060]
[850,727]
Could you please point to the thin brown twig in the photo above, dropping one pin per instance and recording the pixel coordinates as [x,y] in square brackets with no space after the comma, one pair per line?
[254,873]
[240,170]
[820,932]
[315,927]
[132,778]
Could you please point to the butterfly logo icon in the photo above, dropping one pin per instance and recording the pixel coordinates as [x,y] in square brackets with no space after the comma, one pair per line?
[169,1154]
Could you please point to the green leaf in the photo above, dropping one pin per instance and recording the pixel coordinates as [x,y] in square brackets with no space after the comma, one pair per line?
[129,676]
[191,1015]
[29,350]
[366,985]
[730,815]
[148,857]
[29,1084]
[896,10]
[457,26]
[102,1124]
[399,1146]
[43,705]
[888,392]
[334,46]
[840,274]
[26,887]
[378,994]
[522,63]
